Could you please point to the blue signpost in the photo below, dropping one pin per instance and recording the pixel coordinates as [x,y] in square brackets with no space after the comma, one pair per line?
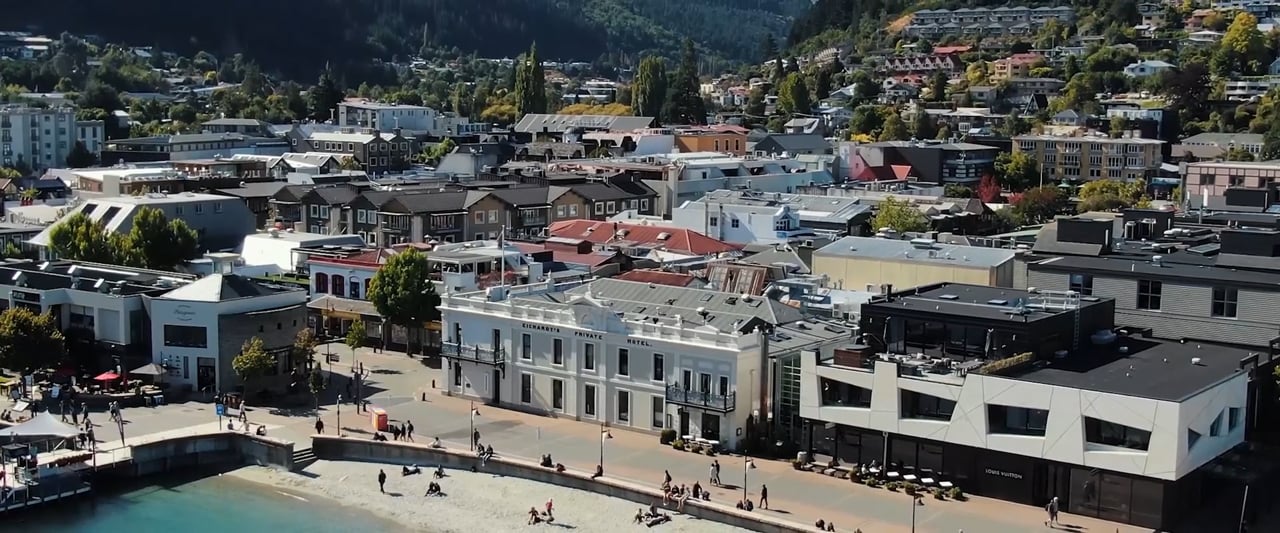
[221,409]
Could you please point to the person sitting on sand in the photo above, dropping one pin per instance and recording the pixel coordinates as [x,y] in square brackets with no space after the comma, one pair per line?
[433,489]
[439,474]
[639,518]
[436,444]
[820,524]
[261,431]
[831,526]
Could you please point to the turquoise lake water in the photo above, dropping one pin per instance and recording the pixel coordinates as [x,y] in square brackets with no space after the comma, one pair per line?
[216,504]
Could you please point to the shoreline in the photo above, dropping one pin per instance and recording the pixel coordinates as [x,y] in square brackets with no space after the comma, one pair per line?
[474,500]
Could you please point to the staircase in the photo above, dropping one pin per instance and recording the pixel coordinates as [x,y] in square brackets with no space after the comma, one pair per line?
[302,458]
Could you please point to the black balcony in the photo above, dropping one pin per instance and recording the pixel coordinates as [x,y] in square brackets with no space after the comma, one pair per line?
[475,354]
[722,403]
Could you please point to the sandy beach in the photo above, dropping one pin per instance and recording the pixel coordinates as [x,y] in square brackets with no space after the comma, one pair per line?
[474,501]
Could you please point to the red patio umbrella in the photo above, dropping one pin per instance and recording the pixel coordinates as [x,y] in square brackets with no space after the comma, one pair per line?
[107,376]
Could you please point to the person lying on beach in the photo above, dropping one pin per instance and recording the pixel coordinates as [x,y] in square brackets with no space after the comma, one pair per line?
[406,471]
[379,437]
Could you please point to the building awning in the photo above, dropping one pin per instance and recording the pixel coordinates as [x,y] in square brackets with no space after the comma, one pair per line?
[345,308]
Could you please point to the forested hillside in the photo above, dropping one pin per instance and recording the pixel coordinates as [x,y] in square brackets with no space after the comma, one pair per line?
[299,37]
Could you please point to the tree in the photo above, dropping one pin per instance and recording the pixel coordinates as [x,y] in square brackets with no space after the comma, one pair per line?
[349,163]
[894,129]
[922,125]
[434,154]
[81,238]
[769,48]
[898,215]
[323,98]
[793,95]
[304,346]
[955,190]
[866,120]
[1039,205]
[1014,125]
[253,361]
[938,86]
[1236,153]
[755,103]
[684,103]
[988,189]
[402,292]
[80,156]
[822,83]
[1110,195]
[1117,127]
[160,243]
[355,337]
[650,90]
[1016,171]
[1243,48]
[976,73]
[29,341]
[531,84]
[316,384]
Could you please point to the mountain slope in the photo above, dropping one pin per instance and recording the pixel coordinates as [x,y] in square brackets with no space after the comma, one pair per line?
[299,37]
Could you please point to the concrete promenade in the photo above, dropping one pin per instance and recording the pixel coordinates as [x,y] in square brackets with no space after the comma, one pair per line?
[397,384]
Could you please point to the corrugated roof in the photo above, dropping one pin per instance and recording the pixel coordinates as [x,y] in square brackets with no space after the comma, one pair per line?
[554,123]
[722,310]
[638,235]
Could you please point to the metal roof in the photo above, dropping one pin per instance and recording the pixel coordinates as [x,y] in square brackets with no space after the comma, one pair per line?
[907,251]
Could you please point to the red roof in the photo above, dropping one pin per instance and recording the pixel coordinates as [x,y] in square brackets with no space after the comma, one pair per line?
[657,277]
[884,173]
[946,50]
[626,234]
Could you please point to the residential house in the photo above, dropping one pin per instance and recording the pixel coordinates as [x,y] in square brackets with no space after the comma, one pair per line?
[985,21]
[1015,66]
[374,152]
[921,64]
[1249,142]
[893,91]
[746,217]
[731,140]
[324,209]
[556,126]
[423,217]
[42,137]
[286,207]
[189,146]
[383,117]
[1142,69]
[1023,87]
[640,240]
[258,198]
[601,200]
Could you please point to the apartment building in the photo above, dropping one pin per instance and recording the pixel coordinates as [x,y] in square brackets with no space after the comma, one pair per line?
[933,162]
[922,64]
[1215,178]
[189,146]
[1180,283]
[628,354]
[375,152]
[220,222]
[727,140]
[746,217]
[1089,158]
[868,263]
[378,116]
[1030,395]
[1015,66]
[982,21]
[42,138]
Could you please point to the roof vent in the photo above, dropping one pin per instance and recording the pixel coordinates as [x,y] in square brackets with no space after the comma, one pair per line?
[948,297]
[1195,361]
[662,236]
[702,311]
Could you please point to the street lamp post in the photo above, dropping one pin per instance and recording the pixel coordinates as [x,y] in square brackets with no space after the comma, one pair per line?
[916,501]
[338,405]
[474,413]
[747,462]
[604,435]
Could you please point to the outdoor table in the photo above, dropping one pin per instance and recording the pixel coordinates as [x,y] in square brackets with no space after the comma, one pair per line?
[927,481]
[945,484]
[909,477]
[892,475]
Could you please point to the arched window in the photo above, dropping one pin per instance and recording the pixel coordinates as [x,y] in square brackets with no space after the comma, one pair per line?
[339,284]
[322,283]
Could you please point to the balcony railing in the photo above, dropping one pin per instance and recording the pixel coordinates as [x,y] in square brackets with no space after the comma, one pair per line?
[475,353]
[723,403]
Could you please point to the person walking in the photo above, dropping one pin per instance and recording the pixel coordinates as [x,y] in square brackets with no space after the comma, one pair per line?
[382,482]
[475,438]
[550,505]
[319,426]
[666,477]
[1052,510]
[409,429]
[716,465]
[764,496]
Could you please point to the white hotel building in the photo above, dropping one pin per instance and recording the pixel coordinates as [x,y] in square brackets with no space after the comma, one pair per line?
[628,354]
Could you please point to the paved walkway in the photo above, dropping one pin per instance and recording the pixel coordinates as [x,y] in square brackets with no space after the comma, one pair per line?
[398,383]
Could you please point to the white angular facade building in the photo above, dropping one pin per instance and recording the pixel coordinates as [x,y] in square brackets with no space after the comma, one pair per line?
[627,354]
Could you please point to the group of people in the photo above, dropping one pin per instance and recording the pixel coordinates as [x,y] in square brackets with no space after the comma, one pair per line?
[484,453]
[651,518]
[536,517]
[824,525]
[433,488]
[681,493]
[402,432]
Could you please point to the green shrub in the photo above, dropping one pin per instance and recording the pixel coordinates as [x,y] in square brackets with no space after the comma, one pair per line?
[667,437]
[956,494]
[677,444]
[938,494]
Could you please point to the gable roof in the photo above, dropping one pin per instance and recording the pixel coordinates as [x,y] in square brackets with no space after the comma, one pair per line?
[722,311]
[334,195]
[599,192]
[659,277]
[798,142]
[221,287]
[434,202]
[625,234]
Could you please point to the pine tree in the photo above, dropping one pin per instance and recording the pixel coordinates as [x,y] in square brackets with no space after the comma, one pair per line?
[650,91]
[322,100]
[684,103]
[531,84]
